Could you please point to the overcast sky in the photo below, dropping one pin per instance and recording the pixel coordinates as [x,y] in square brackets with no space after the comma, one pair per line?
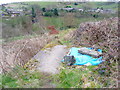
[9,1]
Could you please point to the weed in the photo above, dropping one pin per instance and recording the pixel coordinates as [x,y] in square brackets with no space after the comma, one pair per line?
[76,78]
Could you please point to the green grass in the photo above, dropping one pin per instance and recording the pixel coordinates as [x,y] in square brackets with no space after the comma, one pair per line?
[67,78]
[18,38]
[21,78]
[80,5]
[35,27]
[113,6]
[43,4]
[0,20]
[16,21]
[58,22]
[90,4]
[77,78]
[8,81]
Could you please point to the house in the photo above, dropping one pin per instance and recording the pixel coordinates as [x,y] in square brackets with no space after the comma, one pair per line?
[5,15]
[68,9]
[108,11]
[80,9]
[101,10]
[14,12]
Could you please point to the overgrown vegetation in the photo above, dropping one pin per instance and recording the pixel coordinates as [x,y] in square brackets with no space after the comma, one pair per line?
[26,35]
[77,77]
[40,15]
[100,76]
[103,35]
[23,78]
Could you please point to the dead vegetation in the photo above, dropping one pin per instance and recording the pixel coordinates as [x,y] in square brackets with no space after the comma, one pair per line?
[103,35]
[21,51]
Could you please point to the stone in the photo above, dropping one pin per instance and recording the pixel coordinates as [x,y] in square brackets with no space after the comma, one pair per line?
[90,52]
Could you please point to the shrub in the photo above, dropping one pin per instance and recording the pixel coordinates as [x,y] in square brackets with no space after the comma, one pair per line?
[76,77]
[56,12]
[48,14]
[69,20]
[16,26]
[35,27]
[67,6]
[44,9]
[22,78]
[95,15]
[75,3]
[103,35]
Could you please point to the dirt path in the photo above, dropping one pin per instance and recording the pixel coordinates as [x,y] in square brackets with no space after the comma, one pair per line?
[50,58]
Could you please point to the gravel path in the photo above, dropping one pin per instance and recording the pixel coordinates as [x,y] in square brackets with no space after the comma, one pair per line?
[50,59]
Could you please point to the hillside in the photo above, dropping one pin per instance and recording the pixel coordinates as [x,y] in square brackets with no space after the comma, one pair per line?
[76,76]
[105,5]
[41,41]
[19,17]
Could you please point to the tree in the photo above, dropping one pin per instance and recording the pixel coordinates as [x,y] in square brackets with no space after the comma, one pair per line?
[75,3]
[55,12]
[44,9]
[68,6]
[33,15]
[49,14]
[97,7]
[33,12]
[42,23]
[101,8]
[95,15]
[2,7]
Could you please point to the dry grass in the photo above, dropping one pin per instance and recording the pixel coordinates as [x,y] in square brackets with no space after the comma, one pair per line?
[21,51]
[103,35]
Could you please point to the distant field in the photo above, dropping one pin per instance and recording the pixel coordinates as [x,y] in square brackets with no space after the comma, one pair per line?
[42,4]
[61,22]
[110,6]
[15,5]
[58,22]
[80,5]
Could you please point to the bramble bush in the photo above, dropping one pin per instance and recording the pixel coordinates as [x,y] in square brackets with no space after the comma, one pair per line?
[103,35]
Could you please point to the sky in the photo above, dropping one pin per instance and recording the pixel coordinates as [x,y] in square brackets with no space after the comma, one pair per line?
[9,1]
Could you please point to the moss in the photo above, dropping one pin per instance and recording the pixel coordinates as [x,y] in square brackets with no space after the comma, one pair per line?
[50,45]
[30,63]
